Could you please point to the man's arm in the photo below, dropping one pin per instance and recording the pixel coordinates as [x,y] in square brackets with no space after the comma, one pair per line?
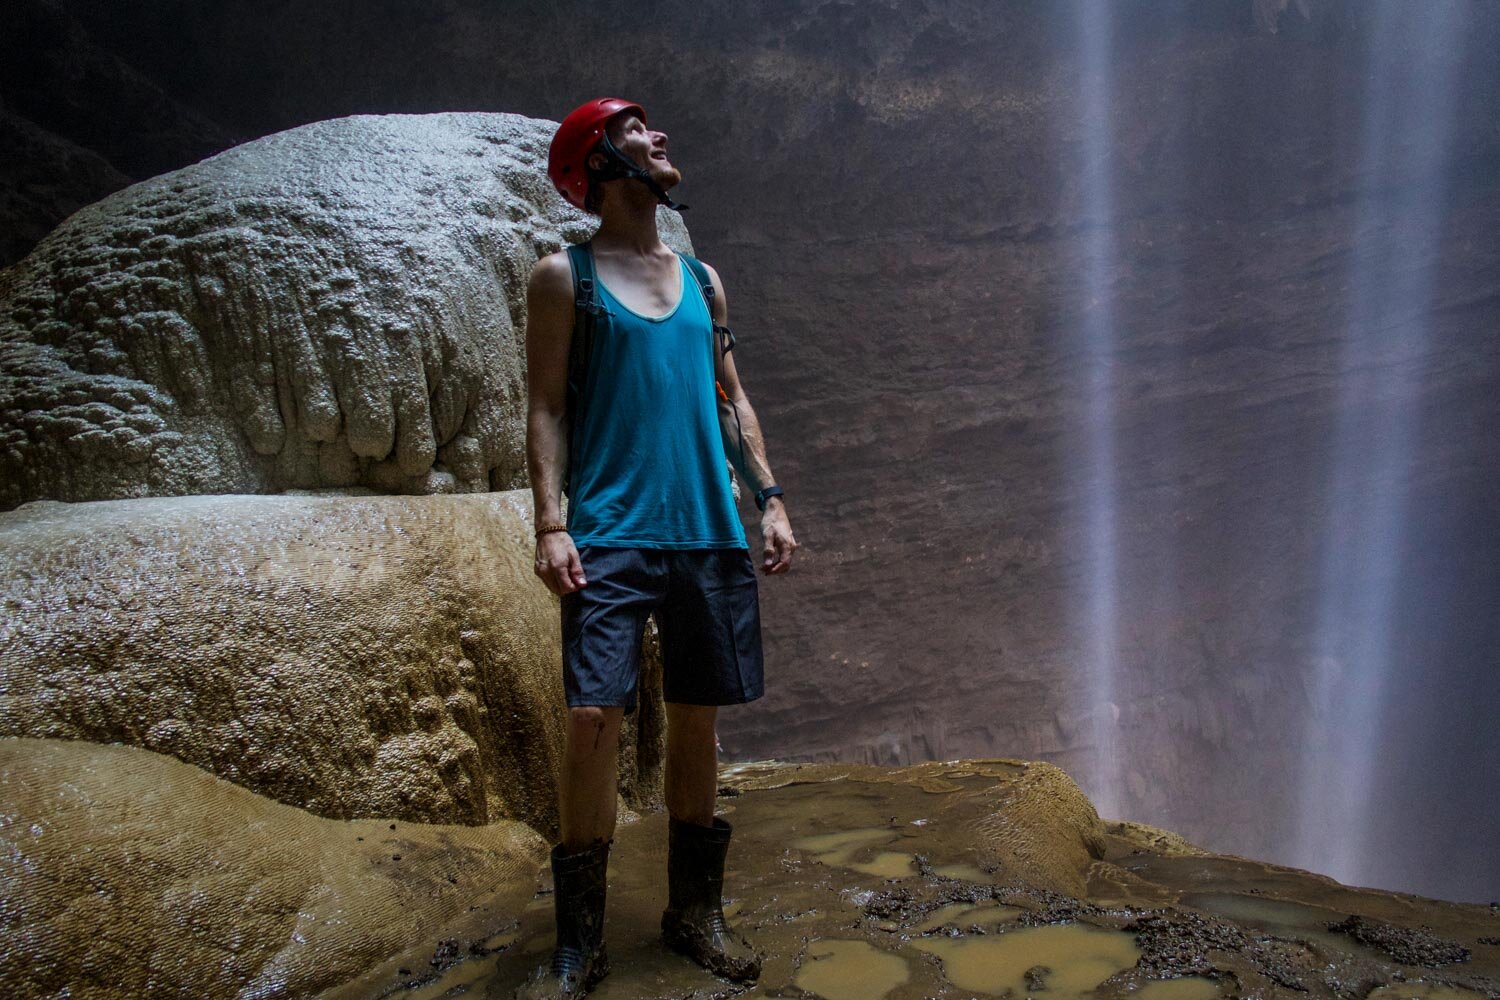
[754,469]
[549,336]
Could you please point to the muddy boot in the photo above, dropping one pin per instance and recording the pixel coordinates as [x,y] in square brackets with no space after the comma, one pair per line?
[694,919]
[579,960]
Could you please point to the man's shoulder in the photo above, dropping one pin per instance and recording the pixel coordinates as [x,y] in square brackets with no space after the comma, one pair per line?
[553,276]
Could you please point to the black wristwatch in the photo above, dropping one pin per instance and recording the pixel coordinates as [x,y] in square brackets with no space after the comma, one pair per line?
[761,496]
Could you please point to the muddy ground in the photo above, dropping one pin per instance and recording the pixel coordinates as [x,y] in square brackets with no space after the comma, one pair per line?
[859,887]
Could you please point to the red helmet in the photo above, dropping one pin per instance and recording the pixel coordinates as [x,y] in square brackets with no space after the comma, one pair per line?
[576,138]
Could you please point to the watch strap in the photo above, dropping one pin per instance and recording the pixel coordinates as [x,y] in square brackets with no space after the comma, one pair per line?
[761,496]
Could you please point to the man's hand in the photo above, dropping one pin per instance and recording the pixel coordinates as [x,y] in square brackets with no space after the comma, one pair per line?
[557,563]
[777,541]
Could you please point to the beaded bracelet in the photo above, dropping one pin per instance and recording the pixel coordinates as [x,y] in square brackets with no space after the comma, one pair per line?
[549,528]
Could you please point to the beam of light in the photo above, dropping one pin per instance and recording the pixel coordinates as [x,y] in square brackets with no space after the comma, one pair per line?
[1413,50]
[1096,472]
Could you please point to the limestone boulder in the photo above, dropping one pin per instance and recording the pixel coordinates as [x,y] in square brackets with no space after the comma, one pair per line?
[354,656]
[337,305]
[126,873]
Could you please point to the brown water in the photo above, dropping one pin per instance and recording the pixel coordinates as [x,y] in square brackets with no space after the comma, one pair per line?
[850,970]
[855,849]
[1062,961]
[987,914]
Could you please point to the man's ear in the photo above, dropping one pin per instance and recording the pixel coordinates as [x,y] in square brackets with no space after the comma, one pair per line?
[597,161]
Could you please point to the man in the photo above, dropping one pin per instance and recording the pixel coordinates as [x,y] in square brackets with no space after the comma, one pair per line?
[651,527]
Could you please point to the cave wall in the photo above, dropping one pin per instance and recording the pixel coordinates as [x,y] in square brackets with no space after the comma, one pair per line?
[893,195]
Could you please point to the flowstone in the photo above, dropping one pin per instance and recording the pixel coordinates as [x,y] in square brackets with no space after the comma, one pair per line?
[354,656]
[127,874]
[340,305]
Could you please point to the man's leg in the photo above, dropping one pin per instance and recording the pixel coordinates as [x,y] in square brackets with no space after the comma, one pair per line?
[692,763]
[697,844]
[590,774]
[586,804]
[710,631]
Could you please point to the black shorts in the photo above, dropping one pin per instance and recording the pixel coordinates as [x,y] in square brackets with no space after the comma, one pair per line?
[707,608]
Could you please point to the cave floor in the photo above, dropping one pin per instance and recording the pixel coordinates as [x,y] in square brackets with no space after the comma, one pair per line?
[862,890]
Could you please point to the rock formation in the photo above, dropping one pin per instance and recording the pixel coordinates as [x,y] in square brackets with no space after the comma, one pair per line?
[356,657]
[340,305]
[129,874]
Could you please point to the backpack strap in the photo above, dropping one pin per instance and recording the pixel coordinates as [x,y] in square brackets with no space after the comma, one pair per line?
[723,336]
[724,339]
[586,311]
[587,308]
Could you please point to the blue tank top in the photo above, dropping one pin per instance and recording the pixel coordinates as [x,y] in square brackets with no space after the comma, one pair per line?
[646,460]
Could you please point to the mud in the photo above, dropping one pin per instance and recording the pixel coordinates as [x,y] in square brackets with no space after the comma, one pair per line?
[1159,919]
[1407,945]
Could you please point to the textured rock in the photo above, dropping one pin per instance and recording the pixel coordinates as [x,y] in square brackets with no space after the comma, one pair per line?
[1029,818]
[339,305]
[376,656]
[126,873]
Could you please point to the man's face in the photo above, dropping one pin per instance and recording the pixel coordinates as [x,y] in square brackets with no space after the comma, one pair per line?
[645,147]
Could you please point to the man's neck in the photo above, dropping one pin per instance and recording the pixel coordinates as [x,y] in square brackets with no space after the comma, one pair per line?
[627,224]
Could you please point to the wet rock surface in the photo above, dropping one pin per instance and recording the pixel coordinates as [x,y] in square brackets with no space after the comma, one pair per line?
[834,930]
[353,656]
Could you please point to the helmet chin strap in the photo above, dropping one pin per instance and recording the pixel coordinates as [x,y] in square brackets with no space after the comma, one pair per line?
[618,165]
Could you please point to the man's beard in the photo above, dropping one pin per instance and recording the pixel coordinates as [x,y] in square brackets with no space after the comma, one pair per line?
[667,177]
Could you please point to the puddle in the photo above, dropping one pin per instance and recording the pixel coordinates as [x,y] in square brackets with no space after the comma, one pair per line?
[850,970]
[840,849]
[1066,960]
[886,864]
[965,914]
[1186,988]
[852,849]
[1422,991]
[844,842]
[967,872]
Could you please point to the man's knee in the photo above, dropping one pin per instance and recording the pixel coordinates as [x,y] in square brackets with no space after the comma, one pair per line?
[593,727]
[691,729]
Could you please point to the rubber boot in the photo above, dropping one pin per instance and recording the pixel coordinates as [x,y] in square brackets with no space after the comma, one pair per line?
[693,923]
[579,960]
